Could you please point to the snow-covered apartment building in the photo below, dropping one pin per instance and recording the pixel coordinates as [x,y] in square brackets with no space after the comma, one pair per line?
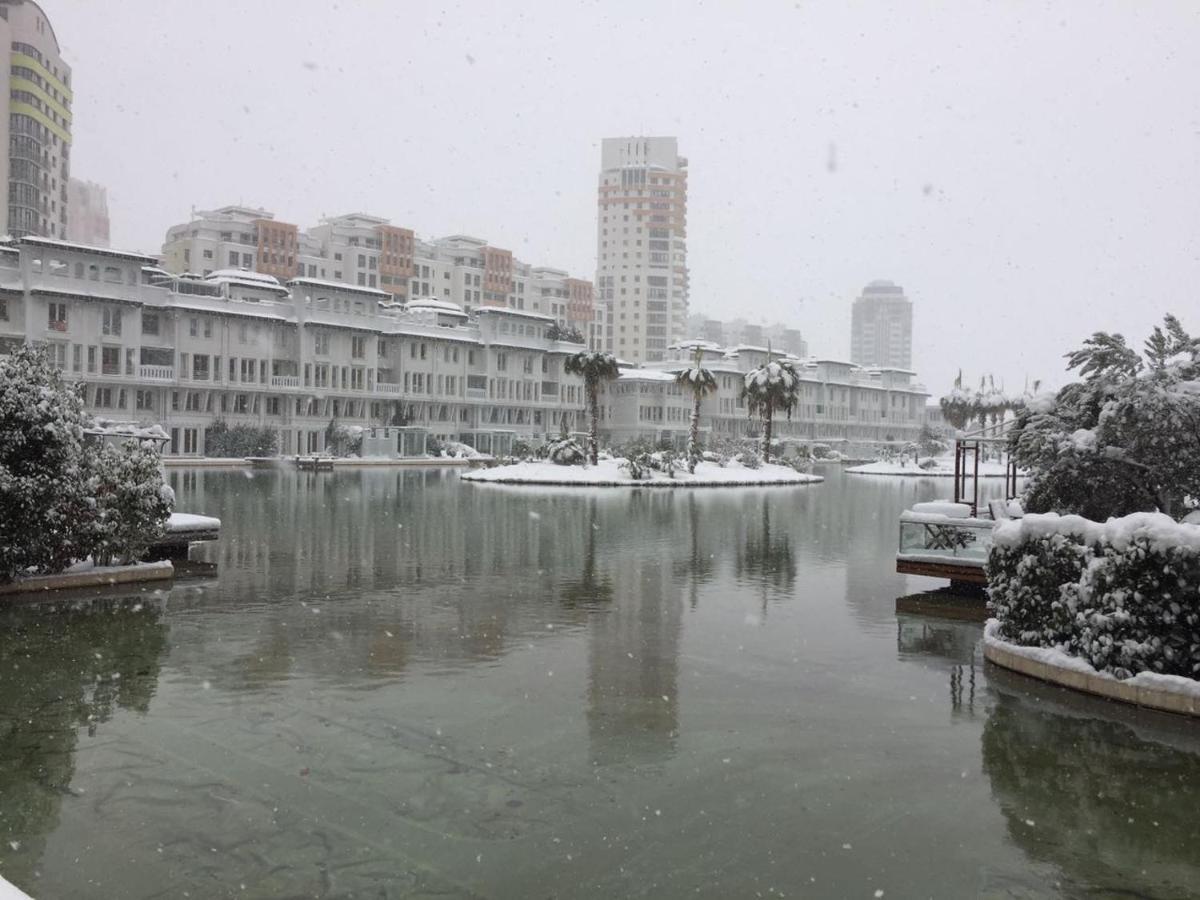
[369,252]
[183,351]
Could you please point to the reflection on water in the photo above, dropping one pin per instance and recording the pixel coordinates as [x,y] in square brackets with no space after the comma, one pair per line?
[65,668]
[400,685]
[1111,802]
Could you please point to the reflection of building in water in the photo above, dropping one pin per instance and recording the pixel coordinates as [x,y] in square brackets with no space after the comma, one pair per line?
[1107,795]
[633,665]
[387,557]
[65,668]
[764,557]
[941,641]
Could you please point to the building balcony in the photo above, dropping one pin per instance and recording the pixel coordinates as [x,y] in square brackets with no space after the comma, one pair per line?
[385,387]
[156,373]
[285,381]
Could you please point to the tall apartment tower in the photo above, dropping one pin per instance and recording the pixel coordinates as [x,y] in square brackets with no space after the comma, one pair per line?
[881,327]
[87,213]
[37,129]
[641,246]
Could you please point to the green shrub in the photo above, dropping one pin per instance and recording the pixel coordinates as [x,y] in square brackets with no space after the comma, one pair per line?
[1123,595]
[223,441]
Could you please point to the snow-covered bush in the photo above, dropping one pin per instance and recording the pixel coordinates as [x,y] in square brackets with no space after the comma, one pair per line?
[1033,583]
[665,461]
[347,440]
[749,459]
[458,450]
[523,450]
[566,452]
[132,502]
[637,466]
[223,441]
[45,505]
[1123,595]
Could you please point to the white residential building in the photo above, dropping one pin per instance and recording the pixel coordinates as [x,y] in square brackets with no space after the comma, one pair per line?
[183,351]
[641,245]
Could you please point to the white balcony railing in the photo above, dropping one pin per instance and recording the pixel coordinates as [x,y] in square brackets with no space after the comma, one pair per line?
[156,373]
[285,381]
[385,387]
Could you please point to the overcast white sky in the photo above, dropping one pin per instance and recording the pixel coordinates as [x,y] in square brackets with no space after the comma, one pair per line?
[1028,172]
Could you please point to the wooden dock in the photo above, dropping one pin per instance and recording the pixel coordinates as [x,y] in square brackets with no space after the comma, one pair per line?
[314,463]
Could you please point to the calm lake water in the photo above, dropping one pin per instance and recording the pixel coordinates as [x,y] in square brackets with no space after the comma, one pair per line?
[393,684]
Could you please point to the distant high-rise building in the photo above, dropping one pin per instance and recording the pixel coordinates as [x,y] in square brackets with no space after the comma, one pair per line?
[881,327]
[37,129]
[87,213]
[641,242]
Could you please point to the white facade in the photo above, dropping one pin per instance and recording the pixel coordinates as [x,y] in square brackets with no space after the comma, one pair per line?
[641,245]
[185,351]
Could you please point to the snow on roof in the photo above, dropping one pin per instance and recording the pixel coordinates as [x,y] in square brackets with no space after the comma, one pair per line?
[244,275]
[504,310]
[645,375]
[340,286]
[128,429]
[36,241]
[695,343]
[835,362]
[442,306]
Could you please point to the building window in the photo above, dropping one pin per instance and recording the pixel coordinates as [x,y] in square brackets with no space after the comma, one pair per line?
[149,323]
[112,320]
[57,317]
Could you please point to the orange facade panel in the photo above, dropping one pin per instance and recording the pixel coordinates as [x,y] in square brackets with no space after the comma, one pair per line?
[276,248]
[396,246]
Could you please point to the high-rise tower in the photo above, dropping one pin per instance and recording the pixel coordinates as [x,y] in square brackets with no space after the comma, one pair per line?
[881,327]
[37,129]
[641,245]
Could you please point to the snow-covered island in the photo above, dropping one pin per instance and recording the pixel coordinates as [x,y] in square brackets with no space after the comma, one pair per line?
[612,472]
[929,467]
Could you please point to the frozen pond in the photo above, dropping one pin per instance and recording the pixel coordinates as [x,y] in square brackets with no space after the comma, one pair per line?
[397,685]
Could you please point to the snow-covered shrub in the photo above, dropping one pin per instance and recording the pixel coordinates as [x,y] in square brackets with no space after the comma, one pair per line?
[749,459]
[637,466]
[45,505]
[221,440]
[566,452]
[1032,586]
[132,502]
[458,450]
[523,450]
[347,440]
[927,464]
[665,461]
[1123,595]
[1140,605]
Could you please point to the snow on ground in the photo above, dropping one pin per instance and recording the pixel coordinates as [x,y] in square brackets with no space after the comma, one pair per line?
[609,474]
[1051,656]
[943,468]
[190,522]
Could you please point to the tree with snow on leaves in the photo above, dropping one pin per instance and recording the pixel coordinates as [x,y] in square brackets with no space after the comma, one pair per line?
[700,382]
[594,368]
[771,388]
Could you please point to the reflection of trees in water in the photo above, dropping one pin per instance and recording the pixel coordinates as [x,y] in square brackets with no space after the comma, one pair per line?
[766,560]
[66,666]
[592,588]
[1116,811]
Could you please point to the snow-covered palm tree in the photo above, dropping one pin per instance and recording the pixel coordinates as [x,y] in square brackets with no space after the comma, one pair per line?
[594,368]
[701,383]
[772,387]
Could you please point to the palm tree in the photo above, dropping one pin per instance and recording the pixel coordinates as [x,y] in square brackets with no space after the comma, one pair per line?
[772,387]
[594,368]
[700,382]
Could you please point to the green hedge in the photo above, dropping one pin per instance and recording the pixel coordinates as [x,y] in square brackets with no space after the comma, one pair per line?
[1123,595]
